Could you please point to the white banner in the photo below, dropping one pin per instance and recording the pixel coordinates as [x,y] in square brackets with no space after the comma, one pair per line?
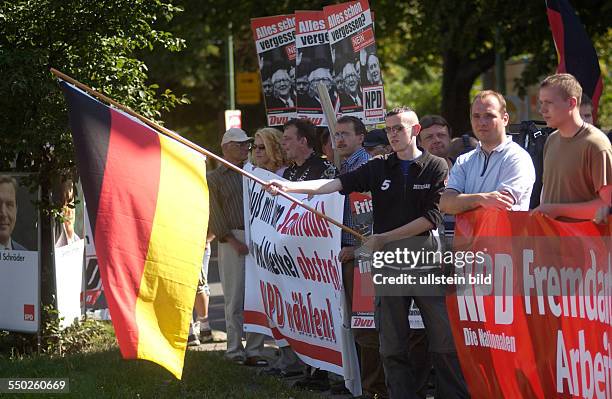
[294,288]
[69,280]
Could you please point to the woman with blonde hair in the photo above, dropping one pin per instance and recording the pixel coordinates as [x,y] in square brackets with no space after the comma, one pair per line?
[267,151]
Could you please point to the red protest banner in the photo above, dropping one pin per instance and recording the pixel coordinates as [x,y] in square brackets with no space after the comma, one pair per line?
[542,327]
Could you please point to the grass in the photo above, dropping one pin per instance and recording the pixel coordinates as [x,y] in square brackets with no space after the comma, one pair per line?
[104,374]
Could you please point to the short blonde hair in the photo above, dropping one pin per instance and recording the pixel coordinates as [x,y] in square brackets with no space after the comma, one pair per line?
[272,140]
[566,83]
[490,93]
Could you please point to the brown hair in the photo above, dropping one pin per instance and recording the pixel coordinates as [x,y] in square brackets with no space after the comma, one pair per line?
[357,124]
[399,110]
[5,179]
[568,84]
[486,93]
[305,128]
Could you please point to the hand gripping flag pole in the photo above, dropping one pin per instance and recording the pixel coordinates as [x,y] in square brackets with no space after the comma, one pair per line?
[199,149]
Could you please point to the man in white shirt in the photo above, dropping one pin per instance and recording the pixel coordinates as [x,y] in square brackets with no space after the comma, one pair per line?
[498,173]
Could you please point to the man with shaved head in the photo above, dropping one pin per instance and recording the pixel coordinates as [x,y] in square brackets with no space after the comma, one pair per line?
[406,186]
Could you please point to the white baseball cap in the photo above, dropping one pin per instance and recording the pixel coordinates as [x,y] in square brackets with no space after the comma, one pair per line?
[235,134]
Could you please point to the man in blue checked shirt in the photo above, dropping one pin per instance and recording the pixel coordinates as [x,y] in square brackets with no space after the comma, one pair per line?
[349,136]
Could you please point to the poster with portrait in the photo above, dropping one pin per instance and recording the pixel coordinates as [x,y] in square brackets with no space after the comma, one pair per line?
[19,254]
[68,253]
[94,299]
[356,65]
[275,43]
[313,66]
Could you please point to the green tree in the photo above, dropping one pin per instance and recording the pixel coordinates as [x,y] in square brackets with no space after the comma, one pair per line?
[95,42]
[460,35]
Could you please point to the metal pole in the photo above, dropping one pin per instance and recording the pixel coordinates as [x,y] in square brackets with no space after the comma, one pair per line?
[500,62]
[231,104]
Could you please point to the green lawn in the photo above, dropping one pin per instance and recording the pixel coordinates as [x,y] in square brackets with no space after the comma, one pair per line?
[104,374]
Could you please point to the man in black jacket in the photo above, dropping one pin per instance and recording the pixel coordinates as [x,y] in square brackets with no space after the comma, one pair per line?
[406,187]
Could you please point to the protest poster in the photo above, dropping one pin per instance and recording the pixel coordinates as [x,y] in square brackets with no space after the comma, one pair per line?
[19,255]
[275,43]
[360,205]
[357,70]
[540,326]
[293,289]
[313,65]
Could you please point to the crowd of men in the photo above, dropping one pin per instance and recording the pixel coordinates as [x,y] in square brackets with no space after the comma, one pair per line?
[419,177]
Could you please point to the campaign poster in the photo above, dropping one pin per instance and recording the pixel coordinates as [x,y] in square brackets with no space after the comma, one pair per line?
[69,252]
[19,255]
[357,70]
[275,43]
[93,295]
[313,66]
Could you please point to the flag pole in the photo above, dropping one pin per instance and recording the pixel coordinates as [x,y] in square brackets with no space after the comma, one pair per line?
[199,149]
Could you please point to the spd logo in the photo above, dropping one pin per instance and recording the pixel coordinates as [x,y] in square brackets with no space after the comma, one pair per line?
[28,312]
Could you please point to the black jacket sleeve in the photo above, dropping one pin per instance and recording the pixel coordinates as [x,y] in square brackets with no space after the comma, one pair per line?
[431,210]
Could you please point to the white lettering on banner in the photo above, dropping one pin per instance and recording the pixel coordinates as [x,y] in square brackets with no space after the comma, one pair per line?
[582,373]
[293,278]
[269,30]
[345,15]
[559,289]
[311,26]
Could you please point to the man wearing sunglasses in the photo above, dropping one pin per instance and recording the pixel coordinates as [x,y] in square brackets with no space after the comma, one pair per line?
[406,186]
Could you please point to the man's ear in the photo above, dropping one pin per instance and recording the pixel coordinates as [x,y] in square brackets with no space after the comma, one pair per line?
[506,118]
[573,102]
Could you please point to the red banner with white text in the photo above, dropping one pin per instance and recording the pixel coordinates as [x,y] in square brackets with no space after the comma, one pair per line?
[541,328]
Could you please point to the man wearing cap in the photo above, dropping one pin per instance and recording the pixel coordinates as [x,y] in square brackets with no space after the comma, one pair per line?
[376,142]
[227,223]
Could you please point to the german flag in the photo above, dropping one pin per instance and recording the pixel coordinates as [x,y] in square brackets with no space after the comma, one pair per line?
[147,201]
[575,50]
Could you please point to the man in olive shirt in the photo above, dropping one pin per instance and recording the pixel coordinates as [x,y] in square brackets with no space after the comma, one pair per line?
[227,223]
[577,156]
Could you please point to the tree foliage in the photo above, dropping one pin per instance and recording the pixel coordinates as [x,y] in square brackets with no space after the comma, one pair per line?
[93,41]
[462,36]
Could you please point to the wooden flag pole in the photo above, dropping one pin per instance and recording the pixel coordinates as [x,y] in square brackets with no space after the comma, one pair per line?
[199,149]
[330,115]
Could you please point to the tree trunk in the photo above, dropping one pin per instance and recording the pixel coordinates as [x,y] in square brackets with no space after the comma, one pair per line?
[459,73]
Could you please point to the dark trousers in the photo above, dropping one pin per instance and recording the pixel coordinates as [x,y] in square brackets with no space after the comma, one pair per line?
[420,361]
[372,372]
[394,332]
